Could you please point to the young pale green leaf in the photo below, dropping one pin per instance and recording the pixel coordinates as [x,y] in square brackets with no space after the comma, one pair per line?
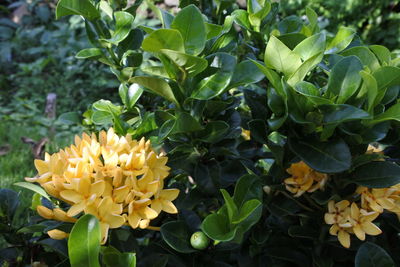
[190,23]
[241,18]
[342,39]
[163,39]
[345,79]
[376,174]
[279,57]
[83,8]
[176,234]
[191,64]
[84,242]
[246,72]
[393,113]
[216,226]
[365,55]
[334,114]
[230,205]
[327,157]
[156,85]
[370,89]
[113,258]
[382,53]
[130,95]
[312,17]
[35,188]
[101,117]
[123,26]
[311,46]
[312,93]
[106,105]
[372,255]
[305,68]
[246,211]
[247,187]
[272,77]
[387,76]
[257,11]
[89,53]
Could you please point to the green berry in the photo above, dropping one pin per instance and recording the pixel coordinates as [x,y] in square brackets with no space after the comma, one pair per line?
[199,240]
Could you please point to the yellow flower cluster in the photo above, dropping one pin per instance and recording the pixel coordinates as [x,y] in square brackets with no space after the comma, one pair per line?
[349,219]
[304,179]
[117,179]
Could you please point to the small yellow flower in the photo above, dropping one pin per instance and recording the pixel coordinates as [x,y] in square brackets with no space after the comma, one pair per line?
[304,179]
[347,220]
[378,199]
[245,134]
[57,234]
[117,179]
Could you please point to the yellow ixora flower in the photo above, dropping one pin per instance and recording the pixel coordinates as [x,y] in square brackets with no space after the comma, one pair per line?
[117,179]
[349,219]
[304,179]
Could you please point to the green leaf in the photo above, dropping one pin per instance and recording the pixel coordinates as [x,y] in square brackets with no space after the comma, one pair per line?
[230,205]
[191,64]
[186,123]
[272,77]
[241,18]
[106,105]
[345,79]
[70,118]
[247,187]
[218,82]
[382,53]
[365,55]
[311,46]
[334,114]
[190,23]
[216,226]
[312,93]
[312,17]
[376,174]
[163,39]
[245,73]
[165,17]
[130,95]
[305,68]
[393,113]
[214,131]
[83,8]
[101,117]
[342,39]
[327,157]
[387,76]
[279,57]
[370,89]
[176,234]
[84,242]
[34,188]
[113,258]
[89,53]
[9,203]
[157,86]
[246,210]
[372,255]
[123,26]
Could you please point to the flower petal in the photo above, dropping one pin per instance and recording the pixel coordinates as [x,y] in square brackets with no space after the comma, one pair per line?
[169,194]
[344,238]
[72,196]
[370,228]
[168,207]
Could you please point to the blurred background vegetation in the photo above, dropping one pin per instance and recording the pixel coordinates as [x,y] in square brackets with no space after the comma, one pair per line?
[37,58]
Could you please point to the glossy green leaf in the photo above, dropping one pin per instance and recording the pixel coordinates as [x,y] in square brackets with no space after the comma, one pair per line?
[155,85]
[84,242]
[191,64]
[83,8]
[387,76]
[393,113]
[246,72]
[312,17]
[89,53]
[376,174]
[130,95]
[365,55]
[279,57]
[372,255]
[176,234]
[9,203]
[106,105]
[311,46]
[218,82]
[248,208]
[186,123]
[312,93]
[123,26]
[342,39]
[341,113]
[230,205]
[304,68]
[345,79]
[214,131]
[165,17]
[241,18]
[273,78]
[190,23]
[216,226]
[33,187]
[247,187]
[163,39]
[327,157]
[101,117]
[112,257]
[370,89]
[382,53]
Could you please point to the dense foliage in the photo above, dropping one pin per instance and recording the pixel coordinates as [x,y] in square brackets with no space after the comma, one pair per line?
[281,137]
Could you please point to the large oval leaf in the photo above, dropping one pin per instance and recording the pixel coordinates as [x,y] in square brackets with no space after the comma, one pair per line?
[163,39]
[83,8]
[84,242]
[155,85]
[328,157]
[371,255]
[377,174]
[177,235]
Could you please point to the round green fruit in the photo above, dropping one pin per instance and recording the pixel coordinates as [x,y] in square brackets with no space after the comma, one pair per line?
[199,240]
